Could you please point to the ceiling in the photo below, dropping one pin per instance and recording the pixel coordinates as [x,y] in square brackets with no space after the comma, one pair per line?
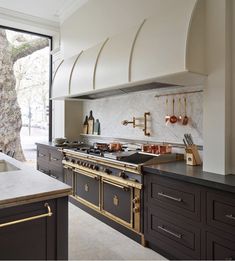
[55,11]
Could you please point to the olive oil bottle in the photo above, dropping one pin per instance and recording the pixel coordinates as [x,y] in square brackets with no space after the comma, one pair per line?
[85,126]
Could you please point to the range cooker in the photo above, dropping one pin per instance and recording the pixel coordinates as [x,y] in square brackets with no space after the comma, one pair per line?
[110,182]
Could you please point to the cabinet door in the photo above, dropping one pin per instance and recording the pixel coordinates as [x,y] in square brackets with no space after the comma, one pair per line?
[219,248]
[34,239]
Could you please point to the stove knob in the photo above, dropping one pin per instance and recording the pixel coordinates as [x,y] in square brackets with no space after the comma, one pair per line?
[91,166]
[122,175]
[66,158]
[108,171]
[73,160]
[83,163]
[79,162]
[96,167]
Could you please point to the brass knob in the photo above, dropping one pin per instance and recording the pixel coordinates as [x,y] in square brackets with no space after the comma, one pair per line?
[136,200]
[136,210]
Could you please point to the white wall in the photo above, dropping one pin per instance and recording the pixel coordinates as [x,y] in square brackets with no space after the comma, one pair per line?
[98,19]
[113,110]
[217,89]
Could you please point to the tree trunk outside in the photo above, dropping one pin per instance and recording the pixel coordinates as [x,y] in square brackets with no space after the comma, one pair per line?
[10,116]
[10,113]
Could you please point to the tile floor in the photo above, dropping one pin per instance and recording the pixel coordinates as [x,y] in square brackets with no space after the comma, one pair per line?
[91,239]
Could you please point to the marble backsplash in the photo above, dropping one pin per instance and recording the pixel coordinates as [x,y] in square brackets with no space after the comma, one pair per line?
[113,110]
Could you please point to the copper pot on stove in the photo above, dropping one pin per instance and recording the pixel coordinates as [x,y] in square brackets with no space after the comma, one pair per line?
[115,146]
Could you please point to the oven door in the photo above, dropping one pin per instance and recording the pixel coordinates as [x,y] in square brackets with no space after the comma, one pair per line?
[117,202]
[87,188]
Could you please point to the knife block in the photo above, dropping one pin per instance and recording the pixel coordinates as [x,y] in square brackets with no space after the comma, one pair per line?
[192,155]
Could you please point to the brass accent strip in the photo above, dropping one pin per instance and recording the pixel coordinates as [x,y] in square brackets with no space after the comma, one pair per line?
[136,202]
[86,203]
[96,62]
[177,93]
[123,223]
[132,49]
[71,73]
[114,184]
[104,175]
[93,176]
[48,214]
[117,219]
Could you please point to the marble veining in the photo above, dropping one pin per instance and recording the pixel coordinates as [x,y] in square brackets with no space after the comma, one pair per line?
[113,110]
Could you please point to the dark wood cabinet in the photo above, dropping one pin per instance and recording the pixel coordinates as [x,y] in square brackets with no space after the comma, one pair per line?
[42,236]
[188,221]
[49,161]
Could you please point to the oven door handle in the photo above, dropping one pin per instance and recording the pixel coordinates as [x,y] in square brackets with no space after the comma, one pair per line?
[116,185]
[86,174]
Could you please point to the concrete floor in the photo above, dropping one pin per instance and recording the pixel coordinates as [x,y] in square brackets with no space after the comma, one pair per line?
[91,239]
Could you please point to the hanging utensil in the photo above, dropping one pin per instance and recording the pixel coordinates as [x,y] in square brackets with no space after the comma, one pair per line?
[167,117]
[179,116]
[185,119]
[173,118]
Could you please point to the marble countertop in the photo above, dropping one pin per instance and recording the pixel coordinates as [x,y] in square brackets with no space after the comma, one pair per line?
[194,174]
[27,185]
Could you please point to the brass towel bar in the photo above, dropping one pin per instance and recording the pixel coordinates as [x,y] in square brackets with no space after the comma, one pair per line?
[48,214]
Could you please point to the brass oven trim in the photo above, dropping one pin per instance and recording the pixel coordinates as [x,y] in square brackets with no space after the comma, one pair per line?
[120,221]
[85,202]
[103,175]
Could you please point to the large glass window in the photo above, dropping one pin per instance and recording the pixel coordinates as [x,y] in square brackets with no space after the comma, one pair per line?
[25,65]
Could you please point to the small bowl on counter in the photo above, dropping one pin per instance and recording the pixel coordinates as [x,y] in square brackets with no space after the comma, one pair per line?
[59,141]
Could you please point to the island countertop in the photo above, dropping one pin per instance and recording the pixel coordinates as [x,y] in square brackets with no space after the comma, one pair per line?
[27,185]
[193,174]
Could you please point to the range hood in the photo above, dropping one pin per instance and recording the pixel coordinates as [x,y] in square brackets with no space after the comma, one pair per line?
[162,51]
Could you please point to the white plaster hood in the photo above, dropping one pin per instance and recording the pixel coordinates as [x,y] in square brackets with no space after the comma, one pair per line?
[164,50]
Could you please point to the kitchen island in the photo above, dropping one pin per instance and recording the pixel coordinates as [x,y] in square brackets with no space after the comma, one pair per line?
[33,213]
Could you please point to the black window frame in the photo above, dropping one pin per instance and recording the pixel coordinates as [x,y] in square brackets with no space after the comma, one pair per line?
[50,69]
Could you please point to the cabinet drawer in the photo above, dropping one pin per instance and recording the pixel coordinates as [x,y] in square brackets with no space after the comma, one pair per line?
[221,211]
[55,157]
[219,248]
[57,173]
[167,227]
[181,197]
[42,153]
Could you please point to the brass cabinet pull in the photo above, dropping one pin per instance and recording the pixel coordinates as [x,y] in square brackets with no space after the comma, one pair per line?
[41,155]
[48,214]
[55,159]
[169,232]
[230,216]
[161,194]
[114,184]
